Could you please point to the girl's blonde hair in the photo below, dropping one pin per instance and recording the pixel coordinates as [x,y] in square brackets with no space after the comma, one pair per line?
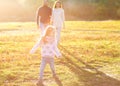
[54,6]
[47,32]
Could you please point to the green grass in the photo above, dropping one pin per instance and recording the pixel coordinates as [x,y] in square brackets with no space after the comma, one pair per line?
[91,54]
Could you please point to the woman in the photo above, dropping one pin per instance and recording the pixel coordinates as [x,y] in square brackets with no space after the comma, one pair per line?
[58,18]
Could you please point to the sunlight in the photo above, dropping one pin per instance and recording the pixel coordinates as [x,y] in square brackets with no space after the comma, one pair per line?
[9,2]
[15,9]
[21,2]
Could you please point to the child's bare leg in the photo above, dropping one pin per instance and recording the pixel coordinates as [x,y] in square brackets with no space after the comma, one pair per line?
[51,63]
[42,67]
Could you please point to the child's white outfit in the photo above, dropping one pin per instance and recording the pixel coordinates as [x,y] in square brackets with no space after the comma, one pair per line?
[49,49]
[48,52]
[58,19]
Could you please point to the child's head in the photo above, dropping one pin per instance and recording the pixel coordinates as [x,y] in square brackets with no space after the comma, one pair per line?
[50,31]
[57,4]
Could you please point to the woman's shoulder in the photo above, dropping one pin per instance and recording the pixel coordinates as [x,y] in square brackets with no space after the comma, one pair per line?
[58,9]
[53,9]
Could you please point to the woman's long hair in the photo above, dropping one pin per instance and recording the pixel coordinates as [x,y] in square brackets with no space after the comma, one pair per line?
[54,6]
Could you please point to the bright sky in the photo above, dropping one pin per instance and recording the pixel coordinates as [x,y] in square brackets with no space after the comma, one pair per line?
[5,2]
[8,7]
[11,8]
[22,2]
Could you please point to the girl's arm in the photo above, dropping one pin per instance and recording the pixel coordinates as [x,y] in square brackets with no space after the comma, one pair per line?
[36,46]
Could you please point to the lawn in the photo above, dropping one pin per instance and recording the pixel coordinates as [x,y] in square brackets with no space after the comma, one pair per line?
[90,49]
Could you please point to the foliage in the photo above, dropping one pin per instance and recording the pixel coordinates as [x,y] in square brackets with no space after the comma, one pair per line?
[74,10]
[91,9]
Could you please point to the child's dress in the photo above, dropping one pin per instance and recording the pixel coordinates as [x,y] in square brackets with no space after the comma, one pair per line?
[49,49]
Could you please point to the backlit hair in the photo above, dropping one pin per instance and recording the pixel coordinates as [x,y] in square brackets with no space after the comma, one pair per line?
[47,32]
[54,6]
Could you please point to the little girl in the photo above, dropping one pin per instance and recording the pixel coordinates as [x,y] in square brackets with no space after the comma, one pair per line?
[48,51]
[58,18]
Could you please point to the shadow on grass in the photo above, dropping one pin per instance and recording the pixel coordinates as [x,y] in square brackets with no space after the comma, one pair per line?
[85,30]
[57,80]
[4,30]
[89,75]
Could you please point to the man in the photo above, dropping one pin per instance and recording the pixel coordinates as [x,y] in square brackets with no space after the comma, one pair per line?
[43,20]
[43,16]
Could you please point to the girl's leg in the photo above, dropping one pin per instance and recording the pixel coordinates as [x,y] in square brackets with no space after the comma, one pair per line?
[51,63]
[42,67]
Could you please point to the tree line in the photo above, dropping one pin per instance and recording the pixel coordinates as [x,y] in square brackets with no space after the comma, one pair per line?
[74,9]
[85,9]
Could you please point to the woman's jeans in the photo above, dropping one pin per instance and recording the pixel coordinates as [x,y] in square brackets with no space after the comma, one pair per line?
[44,61]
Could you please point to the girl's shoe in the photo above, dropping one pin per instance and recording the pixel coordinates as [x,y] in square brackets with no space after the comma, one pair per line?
[55,76]
[40,83]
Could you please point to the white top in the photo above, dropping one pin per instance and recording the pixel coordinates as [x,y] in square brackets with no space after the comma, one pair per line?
[47,50]
[58,17]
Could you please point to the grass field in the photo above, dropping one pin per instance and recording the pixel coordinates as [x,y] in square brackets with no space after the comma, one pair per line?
[91,55]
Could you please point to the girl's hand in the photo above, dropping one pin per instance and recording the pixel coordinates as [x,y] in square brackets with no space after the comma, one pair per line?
[60,56]
[31,52]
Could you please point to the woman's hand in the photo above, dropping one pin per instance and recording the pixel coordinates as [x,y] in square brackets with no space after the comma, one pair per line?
[64,25]
[51,22]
